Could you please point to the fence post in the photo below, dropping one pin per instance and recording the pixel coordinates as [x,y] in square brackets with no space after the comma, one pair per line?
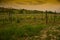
[54,17]
[46,17]
[10,16]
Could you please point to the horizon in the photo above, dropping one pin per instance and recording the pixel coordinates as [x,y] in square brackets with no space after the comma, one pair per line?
[29,10]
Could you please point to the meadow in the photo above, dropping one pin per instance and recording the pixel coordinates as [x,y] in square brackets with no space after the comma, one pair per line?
[29,25]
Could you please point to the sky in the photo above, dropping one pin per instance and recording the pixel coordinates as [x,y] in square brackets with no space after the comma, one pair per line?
[50,5]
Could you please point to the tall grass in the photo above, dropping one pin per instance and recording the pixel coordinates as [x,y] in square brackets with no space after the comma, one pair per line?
[13,31]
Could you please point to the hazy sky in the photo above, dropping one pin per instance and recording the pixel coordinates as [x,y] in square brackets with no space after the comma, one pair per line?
[50,5]
[34,2]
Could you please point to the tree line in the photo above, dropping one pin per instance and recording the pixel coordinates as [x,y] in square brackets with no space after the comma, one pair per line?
[22,11]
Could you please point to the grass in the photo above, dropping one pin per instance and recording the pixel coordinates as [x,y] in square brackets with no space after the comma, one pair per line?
[24,31]
[26,26]
[29,26]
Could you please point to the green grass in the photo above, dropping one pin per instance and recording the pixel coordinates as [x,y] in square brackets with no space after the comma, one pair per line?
[7,33]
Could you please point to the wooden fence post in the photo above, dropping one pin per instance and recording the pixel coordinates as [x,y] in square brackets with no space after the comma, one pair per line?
[46,17]
[55,17]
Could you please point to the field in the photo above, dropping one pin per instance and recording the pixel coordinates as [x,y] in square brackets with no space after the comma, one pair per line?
[38,26]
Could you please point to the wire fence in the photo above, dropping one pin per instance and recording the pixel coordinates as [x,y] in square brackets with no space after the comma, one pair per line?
[42,18]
